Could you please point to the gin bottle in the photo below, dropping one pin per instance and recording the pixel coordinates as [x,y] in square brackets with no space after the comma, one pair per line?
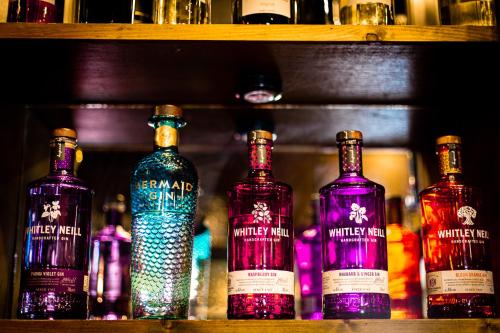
[308,262]
[164,189]
[54,272]
[260,240]
[456,242]
[355,278]
[109,293]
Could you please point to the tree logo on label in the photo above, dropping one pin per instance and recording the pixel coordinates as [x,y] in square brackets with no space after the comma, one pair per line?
[468,213]
[51,212]
[358,213]
[261,213]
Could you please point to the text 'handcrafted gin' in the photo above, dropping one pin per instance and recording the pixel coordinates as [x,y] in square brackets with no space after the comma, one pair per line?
[355,278]
[456,242]
[164,190]
[260,240]
[54,276]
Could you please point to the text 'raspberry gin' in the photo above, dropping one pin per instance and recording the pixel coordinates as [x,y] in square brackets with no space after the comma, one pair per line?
[456,242]
[260,240]
[54,275]
[355,277]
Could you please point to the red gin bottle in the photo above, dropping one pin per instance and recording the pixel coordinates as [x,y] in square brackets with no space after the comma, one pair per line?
[456,242]
[260,240]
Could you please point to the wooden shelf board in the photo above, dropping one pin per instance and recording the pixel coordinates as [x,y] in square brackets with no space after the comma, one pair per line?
[229,32]
[261,326]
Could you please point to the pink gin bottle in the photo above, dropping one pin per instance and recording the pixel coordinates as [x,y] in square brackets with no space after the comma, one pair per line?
[260,240]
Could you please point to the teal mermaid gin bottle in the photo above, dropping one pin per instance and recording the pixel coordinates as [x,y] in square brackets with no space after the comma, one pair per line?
[164,189]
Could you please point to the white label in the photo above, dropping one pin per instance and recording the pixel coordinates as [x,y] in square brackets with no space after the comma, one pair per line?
[344,3]
[460,282]
[260,282]
[280,7]
[355,281]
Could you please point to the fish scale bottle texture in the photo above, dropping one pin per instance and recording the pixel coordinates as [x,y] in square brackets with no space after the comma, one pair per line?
[164,188]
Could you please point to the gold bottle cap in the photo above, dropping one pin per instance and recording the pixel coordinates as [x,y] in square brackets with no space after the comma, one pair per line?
[259,134]
[448,139]
[65,132]
[167,110]
[349,135]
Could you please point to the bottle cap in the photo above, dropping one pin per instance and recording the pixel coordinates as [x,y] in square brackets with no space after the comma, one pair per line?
[448,139]
[349,135]
[65,132]
[167,110]
[259,134]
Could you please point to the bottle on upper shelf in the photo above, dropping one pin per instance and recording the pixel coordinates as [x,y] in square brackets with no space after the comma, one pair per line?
[308,262]
[36,11]
[109,289]
[109,11]
[260,239]
[472,12]
[179,12]
[54,270]
[312,12]
[362,12]
[164,191]
[403,250]
[355,277]
[456,242]
[262,11]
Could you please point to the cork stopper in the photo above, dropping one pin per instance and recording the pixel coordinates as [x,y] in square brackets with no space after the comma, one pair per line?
[64,132]
[257,135]
[349,135]
[448,139]
[167,110]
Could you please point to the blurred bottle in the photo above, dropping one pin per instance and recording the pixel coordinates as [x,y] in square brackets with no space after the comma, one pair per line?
[308,262]
[403,247]
[36,11]
[109,294]
[472,12]
[109,11]
[312,12]
[180,11]
[200,272]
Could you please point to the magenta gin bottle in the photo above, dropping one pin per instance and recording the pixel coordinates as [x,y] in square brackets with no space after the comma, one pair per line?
[309,266]
[109,292]
[355,278]
[260,240]
[54,273]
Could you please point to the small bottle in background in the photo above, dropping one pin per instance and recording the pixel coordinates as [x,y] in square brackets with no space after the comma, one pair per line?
[109,290]
[109,11]
[309,266]
[312,11]
[36,11]
[473,12]
[362,12]
[180,11]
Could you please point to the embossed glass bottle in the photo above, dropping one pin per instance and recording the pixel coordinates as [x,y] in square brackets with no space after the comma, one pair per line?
[260,240]
[309,266]
[164,189]
[456,242]
[109,291]
[355,278]
[54,273]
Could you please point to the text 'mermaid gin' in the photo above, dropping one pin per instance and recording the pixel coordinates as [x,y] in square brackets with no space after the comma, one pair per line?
[355,277]
[164,189]
[54,275]
[260,240]
[456,242]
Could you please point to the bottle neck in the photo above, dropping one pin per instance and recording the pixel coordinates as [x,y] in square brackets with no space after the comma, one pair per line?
[113,217]
[450,162]
[260,158]
[62,156]
[166,135]
[350,162]
[394,212]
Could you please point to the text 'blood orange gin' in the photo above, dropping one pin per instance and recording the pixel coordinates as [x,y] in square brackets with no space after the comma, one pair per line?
[355,278]
[260,240]
[456,242]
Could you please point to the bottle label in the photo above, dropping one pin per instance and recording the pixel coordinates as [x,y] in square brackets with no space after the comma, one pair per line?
[279,7]
[56,280]
[355,281]
[460,282]
[260,282]
[344,3]
[165,195]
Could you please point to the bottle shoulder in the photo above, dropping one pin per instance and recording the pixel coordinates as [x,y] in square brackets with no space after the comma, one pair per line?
[256,185]
[161,161]
[343,184]
[68,182]
[449,188]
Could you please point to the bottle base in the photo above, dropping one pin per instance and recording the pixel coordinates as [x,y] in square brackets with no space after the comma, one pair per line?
[261,306]
[356,306]
[461,306]
[35,305]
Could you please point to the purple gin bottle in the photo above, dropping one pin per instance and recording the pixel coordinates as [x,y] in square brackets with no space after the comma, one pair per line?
[355,278]
[109,292]
[309,266]
[260,240]
[54,275]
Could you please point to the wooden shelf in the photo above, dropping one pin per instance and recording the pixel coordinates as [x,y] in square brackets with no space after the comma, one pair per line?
[277,326]
[318,65]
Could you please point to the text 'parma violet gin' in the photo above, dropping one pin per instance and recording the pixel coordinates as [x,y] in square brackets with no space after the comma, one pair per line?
[54,276]
[260,240]
[164,191]
[456,242]
[355,278]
